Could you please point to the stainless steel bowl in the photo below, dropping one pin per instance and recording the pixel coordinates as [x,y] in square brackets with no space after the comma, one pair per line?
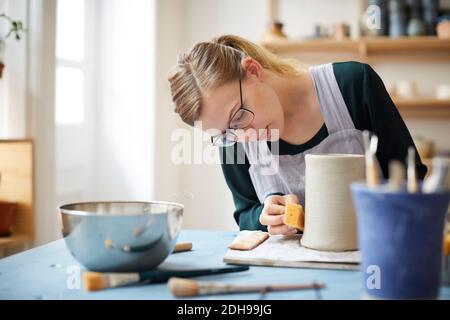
[121,236]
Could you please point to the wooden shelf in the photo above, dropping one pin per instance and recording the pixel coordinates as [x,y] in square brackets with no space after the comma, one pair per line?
[7,242]
[369,49]
[423,108]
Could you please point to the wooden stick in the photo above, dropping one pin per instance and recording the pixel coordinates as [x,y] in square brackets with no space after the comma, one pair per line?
[411,171]
[189,288]
[182,246]
[396,175]
[371,145]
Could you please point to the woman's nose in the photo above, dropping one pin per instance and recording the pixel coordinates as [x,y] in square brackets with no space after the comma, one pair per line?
[247,134]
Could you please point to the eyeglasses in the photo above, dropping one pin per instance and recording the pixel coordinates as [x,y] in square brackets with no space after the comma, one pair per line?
[242,118]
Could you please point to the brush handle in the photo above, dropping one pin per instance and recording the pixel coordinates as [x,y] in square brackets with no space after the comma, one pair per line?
[373,179]
[164,275]
[396,175]
[217,288]
[412,184]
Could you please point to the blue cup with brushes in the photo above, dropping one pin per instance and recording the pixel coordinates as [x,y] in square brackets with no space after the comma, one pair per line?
[400,235]
[400,227]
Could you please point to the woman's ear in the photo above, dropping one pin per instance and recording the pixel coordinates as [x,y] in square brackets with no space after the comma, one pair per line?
[252,67]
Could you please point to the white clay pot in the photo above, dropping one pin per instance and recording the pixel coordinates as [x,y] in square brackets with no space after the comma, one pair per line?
[330,218]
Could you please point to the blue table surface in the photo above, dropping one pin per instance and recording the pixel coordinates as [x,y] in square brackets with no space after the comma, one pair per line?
[50,272]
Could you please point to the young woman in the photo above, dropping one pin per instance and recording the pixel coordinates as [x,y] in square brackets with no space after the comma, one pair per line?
[247,93]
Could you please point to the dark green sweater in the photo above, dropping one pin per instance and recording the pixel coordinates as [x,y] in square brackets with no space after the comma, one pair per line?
[370,107]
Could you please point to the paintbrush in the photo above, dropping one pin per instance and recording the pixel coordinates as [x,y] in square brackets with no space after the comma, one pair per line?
[411,171]
[396,175]
[191,288]
[371,145]
[439,178]
[94,281]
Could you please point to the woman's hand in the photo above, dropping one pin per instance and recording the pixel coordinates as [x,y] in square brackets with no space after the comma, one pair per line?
[272,214]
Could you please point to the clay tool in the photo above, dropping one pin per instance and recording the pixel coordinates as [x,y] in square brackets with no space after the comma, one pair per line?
[411,173]
[182,246]
[438,180]
[191,288]
[396,175]
[94,281]
[371,145]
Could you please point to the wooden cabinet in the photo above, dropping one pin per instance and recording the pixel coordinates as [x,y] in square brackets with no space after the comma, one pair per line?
[17,185]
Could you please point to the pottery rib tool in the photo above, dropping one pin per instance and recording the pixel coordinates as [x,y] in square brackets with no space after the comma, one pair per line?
[371,145]
[249,240]
[182,246]
[396,175]
[94,281]
[412,185]
[191,288]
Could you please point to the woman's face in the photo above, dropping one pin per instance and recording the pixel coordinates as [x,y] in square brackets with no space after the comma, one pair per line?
[221,103]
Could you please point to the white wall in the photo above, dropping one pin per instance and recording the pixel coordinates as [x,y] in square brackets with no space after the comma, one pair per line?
[13,97]
[40,94]
[169,38]
[125,101]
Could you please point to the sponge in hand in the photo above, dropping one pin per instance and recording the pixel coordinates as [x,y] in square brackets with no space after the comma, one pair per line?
[294,216]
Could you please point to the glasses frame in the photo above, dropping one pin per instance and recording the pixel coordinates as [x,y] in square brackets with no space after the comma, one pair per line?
[215,138]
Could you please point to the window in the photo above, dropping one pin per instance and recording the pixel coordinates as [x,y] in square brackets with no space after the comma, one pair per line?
[70,55]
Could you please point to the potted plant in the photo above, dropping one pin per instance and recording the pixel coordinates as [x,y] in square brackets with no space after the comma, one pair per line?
[15,29]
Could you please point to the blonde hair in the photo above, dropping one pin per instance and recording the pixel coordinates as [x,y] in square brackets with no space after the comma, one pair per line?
[212,64]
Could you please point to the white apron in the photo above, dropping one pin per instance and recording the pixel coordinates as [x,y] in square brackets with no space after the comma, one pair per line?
[290,169]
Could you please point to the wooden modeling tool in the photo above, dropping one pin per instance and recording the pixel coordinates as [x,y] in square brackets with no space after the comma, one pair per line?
[182,246]
[412,185]
[396,175]
[371,145]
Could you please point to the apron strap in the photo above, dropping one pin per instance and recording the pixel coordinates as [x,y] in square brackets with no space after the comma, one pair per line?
[332,104]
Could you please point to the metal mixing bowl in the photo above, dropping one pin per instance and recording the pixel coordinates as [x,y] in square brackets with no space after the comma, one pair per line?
[121,236]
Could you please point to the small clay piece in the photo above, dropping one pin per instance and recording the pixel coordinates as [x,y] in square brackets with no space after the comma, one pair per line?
[249,240]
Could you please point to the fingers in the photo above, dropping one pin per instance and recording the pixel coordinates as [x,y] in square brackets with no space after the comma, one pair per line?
[290,198]
[281,229]
[275,199]
[272,214]
[273,209]
[268,219]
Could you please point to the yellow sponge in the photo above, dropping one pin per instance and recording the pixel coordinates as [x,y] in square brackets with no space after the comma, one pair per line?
[294,216]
